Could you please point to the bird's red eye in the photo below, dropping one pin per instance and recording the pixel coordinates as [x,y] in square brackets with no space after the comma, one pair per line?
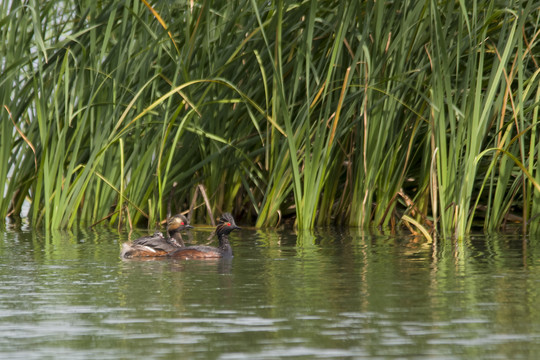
[182,223]
[228,224]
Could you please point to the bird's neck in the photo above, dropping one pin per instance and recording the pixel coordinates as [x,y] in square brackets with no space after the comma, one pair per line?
[224,245]
[176,238]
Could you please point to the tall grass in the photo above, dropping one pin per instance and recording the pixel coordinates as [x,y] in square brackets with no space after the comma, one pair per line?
[397,113]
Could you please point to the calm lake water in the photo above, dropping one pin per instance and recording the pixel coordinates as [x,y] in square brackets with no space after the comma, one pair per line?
[327,294]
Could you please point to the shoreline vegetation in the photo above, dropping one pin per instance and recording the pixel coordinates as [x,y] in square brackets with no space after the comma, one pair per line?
[419,115]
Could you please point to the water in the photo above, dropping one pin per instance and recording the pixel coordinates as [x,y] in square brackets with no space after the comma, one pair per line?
[331,294]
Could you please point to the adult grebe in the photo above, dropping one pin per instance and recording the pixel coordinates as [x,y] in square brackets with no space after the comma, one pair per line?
[156,245]
[223,229]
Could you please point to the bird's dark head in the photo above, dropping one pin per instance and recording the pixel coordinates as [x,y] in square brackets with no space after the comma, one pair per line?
[226,224]
[178,223]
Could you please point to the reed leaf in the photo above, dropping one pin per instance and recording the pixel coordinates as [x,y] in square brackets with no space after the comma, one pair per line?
[310,113]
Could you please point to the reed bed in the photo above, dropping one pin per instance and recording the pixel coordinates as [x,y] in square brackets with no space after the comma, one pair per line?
[389,114]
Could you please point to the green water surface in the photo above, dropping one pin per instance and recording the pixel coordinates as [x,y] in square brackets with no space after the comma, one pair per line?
[327,294]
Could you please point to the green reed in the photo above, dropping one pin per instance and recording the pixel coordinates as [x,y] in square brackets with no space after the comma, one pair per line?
[392,114]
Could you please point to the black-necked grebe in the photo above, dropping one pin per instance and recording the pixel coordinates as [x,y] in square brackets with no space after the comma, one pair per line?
[223,229]
[156,245]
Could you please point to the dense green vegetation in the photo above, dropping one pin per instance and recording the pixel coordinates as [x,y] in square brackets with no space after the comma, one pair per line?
[363,113]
